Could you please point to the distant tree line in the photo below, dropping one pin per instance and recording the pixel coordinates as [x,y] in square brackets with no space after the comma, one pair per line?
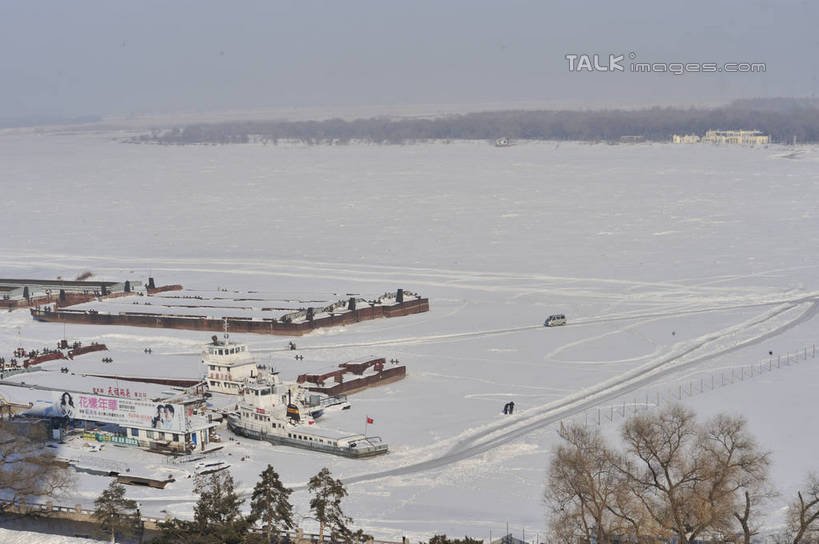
[782,119]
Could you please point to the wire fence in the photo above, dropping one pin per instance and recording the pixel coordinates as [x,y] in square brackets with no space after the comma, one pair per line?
[640,401]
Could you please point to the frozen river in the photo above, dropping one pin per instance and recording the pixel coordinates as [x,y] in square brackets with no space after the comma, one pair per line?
[670,262]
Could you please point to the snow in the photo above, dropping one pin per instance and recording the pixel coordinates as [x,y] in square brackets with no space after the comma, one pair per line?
[671,263]
[9,536]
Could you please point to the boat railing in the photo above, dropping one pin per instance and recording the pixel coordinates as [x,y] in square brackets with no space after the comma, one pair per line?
[332,400]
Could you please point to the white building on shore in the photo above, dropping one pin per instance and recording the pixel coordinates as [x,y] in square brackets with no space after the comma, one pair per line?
[742,137]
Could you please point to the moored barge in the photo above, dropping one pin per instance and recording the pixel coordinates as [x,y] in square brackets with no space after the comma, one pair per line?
[344,312]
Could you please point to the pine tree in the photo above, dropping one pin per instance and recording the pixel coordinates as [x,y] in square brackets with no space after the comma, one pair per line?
[217,512]
[217,516]
[114,512]
[327,493]
[270,503]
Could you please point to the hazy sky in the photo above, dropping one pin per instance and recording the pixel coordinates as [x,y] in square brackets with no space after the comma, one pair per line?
[109,57]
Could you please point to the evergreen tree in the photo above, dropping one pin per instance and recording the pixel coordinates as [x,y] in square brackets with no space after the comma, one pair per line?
[270,503]
[217,511]
[327,493]
[114,512]
[217,518]
[218,502]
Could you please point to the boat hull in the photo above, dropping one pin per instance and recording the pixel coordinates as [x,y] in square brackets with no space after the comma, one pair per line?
[355,453]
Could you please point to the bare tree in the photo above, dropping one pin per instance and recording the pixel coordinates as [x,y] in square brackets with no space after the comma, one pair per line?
[666,470]
[27,468]
[691,480]
[803,513]
[736,474]
[585,490]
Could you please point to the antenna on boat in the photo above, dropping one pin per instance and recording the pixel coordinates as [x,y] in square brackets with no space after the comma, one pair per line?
[226,330]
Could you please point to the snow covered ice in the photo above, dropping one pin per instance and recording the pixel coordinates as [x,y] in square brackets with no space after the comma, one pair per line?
[670,263]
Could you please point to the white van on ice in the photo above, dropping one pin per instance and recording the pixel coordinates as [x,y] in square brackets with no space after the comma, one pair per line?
[555,320]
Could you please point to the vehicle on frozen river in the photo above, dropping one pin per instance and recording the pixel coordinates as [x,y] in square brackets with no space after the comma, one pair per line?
[555,320]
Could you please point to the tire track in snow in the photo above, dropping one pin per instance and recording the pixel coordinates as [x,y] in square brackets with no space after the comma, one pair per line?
[555,412]
[494,332]
[576,323]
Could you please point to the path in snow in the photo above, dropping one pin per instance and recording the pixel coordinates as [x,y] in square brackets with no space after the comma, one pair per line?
[536,418]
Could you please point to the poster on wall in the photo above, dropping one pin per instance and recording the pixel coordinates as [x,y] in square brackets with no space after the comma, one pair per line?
[120,411]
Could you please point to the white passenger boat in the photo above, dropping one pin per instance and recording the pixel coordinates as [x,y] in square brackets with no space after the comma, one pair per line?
[272,413]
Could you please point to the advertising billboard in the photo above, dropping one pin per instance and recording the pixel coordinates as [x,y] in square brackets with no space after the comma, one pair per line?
[121,411]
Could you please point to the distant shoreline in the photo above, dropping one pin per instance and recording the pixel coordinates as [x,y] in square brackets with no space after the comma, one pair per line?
[785,120]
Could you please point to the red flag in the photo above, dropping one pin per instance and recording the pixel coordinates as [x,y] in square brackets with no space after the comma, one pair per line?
[369,420]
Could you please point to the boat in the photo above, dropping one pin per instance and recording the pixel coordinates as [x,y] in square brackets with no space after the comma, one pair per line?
[266,414]
[230,368]
[201,469]
[228,365]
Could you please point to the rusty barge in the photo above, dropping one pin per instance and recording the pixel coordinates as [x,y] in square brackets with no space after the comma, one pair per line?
[344,312]
[365,374]
[30,293]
